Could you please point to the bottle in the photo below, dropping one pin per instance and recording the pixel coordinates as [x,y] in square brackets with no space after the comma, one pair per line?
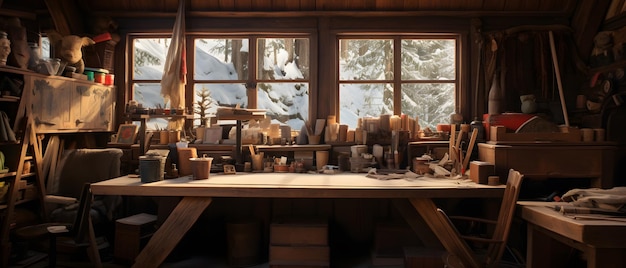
[478,124]
[174,171]
[495,96]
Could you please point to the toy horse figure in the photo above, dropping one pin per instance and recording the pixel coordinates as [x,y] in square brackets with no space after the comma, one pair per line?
[69,49]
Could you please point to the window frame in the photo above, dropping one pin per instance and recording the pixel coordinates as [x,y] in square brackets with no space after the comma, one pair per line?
[251,82]
[397,80]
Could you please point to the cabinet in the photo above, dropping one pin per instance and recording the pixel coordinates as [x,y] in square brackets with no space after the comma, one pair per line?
[21,181]
[62,104]
[595,161]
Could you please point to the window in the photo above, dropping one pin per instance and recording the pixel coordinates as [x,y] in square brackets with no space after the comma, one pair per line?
[280,75]
[225,72]
[148,58]
[412,75]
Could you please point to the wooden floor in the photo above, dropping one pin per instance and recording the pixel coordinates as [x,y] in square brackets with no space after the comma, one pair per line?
[193,261]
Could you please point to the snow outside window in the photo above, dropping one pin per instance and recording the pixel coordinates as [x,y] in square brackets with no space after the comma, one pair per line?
[369,74]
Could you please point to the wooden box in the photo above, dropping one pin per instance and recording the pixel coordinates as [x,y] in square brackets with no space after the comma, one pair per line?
[131,234]
[553,160]
[500,134]
[295,232]
[299,256]
[480,171]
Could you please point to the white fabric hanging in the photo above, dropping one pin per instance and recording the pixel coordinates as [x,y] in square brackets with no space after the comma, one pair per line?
[175,70]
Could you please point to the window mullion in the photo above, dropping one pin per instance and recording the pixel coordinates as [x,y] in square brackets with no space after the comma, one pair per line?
[397,77]
[251,84]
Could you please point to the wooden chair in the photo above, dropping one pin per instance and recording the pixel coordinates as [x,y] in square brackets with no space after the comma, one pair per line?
[461,254]
[77,235]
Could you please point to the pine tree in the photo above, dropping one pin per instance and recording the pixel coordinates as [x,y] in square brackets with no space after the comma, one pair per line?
[203,102]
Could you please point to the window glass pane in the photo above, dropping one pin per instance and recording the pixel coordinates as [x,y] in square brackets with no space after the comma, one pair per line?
[149,96]
[431,103]
[361,100]
[149,58]
[283,58]
[428,59]
[361,59]
[221,59]
[286,103]
[45,47]
[218,95]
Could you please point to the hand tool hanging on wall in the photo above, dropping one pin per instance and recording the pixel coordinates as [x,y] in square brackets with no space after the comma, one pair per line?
[557,73]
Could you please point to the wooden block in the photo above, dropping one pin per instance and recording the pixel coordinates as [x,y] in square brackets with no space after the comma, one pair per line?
[418,257]
[317,256]
[480,171]
[131,234]
[293,232]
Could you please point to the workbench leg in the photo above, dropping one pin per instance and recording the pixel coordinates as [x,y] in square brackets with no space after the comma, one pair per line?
[446,234]
[417,223]
[606,258]
[544,251]
[172,231]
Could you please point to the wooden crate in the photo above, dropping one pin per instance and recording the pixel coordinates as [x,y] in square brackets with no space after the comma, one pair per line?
[131,234]
[299,232]
[300,256]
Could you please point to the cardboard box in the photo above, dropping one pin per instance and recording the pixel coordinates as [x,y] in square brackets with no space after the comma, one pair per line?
[131,234]
[480,171]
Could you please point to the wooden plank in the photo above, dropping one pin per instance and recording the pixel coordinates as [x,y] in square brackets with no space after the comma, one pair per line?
[448,236]
[171,232]
[417,223]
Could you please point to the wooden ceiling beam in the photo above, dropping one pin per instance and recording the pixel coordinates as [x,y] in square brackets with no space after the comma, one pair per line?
[274,14]
[66,17]
[586,22]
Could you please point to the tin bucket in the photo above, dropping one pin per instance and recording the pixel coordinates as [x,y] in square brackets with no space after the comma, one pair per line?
[151,168]
[201,167]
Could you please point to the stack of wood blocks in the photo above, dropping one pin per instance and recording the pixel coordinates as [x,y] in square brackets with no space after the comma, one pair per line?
[299,243]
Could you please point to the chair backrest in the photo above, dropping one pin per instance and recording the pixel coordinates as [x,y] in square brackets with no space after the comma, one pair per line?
[80,227]
[86,166]
[463,252]
[505,216]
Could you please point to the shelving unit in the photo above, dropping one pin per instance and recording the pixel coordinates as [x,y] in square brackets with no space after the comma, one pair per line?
[143,118]
[240,118]
[24,185]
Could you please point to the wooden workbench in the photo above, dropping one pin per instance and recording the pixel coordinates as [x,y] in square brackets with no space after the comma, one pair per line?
[197,195]
[551,235]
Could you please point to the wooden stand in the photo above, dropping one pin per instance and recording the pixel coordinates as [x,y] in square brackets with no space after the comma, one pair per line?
[131,234]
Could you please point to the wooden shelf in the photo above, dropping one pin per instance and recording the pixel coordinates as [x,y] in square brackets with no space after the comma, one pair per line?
[138,117]
[8,174]
[9,99]
[610,67]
